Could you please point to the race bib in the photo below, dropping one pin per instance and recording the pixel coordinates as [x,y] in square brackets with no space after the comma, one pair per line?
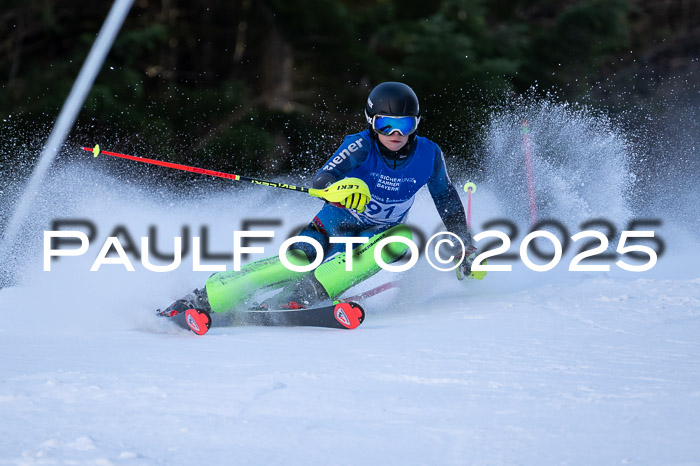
[379,213]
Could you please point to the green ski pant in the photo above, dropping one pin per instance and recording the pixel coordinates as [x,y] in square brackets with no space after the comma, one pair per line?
[229,290]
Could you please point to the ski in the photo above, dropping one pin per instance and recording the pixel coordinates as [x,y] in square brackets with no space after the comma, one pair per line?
[341,315]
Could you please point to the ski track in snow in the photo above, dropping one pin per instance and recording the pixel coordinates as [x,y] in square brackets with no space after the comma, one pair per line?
[520,368]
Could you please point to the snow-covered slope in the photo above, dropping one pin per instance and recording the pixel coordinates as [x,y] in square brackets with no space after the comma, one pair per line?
[520,368]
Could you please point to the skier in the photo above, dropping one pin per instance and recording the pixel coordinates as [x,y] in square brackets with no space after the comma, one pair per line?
[386,164]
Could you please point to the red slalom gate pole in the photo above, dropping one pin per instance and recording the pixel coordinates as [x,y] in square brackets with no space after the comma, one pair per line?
[470,188]
[373,292]
[469,209]
[529,172]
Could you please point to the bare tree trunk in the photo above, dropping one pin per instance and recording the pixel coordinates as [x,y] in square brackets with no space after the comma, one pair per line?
[277,67]
[16,49]
[276,81]
[675,27]
[241,30]
[277,72]
[168,16]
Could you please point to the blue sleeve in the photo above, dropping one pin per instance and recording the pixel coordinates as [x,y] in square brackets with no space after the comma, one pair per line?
[447,200]
[351,153]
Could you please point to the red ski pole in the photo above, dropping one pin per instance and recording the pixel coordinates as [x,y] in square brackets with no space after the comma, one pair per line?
[336,192]
[203,171]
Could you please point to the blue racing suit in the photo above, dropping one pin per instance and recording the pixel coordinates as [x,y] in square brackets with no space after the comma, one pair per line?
[392,185]
[393,179]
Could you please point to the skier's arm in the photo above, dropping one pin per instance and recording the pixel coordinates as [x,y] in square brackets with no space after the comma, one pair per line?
[349,155]
[447,201]
[451,210]
[324,179]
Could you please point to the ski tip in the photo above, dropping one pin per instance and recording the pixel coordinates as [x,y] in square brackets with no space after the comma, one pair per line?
[198,321]
[350,315]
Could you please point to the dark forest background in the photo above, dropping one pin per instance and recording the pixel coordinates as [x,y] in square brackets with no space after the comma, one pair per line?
[271,86]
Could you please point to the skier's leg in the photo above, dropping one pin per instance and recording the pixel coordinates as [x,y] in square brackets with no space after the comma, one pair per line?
[329,221]
[330,279]
[226,291]
[336,280]
[229,290]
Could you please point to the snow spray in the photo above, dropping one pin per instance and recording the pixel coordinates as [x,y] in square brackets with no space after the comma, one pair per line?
[575,164]
[530,176]
[63,125]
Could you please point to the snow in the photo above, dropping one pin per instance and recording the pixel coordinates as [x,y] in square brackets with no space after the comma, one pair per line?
[520,368]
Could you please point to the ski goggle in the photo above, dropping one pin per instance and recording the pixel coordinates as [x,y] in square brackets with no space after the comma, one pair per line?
[386,125]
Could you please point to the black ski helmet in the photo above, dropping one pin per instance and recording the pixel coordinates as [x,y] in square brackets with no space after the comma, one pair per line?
[392,99]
